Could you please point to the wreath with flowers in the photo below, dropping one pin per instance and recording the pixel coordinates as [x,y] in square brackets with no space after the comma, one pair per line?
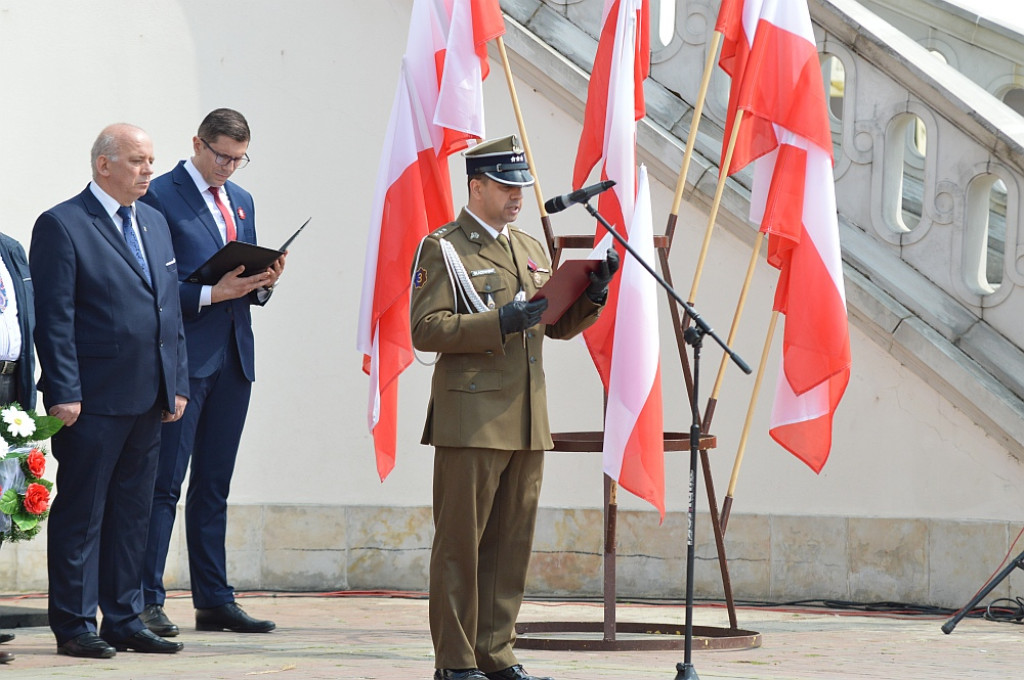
[24,494]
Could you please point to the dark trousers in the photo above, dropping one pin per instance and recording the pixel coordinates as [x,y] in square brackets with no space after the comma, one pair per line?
[485,510]
[208,436]
[96,532]
[9,389]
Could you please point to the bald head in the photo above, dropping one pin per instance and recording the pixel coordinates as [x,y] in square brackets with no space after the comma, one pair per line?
[122,162]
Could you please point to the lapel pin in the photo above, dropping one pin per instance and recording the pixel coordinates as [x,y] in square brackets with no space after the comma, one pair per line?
[474,236]
[240,212]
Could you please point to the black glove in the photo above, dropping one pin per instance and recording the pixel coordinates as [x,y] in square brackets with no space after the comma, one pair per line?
[598,288]
[519,315]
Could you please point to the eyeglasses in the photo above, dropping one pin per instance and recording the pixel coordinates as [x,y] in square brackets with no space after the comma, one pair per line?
[223,159]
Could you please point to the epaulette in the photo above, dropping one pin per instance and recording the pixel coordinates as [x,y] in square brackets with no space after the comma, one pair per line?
[524,234]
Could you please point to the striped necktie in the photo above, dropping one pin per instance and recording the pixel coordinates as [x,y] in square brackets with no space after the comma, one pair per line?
[229,224]
[125,213]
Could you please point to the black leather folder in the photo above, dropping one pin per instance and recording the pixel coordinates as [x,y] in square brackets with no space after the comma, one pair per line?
[235,253]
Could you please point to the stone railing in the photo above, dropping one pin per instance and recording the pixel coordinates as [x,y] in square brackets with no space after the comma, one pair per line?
[987,53]
[929,176]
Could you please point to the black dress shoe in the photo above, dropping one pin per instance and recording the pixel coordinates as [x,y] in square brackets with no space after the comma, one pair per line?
[462,674]
[148,642]
[156,620]
[516,672]
[87,645]
[6,637]
[6,657]
[231,617]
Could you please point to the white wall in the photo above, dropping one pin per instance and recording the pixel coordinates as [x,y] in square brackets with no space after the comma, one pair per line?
[316,81]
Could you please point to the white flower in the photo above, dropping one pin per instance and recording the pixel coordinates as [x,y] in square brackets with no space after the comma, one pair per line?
[4,446]
[18,422]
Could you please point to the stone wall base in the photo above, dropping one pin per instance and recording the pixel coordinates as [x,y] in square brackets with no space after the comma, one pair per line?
[773,558]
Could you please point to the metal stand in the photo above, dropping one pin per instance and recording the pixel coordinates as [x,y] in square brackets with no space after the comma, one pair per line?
[733,638]
[611,635]
[1017,563]
[695,339]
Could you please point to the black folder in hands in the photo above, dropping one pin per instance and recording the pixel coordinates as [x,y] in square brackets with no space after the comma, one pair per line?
[234,253]
[564,287]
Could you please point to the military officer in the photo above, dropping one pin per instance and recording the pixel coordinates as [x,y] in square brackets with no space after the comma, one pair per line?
[487,419]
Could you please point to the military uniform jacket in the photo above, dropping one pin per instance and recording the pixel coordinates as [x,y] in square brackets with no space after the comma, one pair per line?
[488,391]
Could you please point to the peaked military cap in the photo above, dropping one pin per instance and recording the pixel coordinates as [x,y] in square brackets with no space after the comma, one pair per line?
[503,160]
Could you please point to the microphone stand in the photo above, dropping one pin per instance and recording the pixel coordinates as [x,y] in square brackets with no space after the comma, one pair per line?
[694,336]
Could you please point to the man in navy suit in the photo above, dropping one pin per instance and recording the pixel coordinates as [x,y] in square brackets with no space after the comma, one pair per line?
[17,360]
[112,350]
[204,211]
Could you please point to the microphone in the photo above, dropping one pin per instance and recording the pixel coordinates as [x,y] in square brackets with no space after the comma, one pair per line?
[560,203]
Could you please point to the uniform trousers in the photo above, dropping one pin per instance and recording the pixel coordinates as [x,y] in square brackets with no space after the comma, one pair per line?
[485,510]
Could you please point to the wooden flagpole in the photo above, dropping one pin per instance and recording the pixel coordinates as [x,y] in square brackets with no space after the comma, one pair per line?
[545,220]
[723,175]
[727,503]
[610,485]
[691,140]
[709,411]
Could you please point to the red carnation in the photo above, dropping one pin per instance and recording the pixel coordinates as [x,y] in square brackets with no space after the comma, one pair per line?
[37,499]
[36,462]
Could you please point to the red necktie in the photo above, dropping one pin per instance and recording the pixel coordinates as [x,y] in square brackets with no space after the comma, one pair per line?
[229,224]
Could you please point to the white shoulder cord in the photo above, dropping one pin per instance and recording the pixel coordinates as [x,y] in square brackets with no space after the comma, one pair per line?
[458,270]
[464,291]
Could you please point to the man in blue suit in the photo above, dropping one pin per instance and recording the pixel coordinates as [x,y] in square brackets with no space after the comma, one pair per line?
[17,360]
[112,350]
[204,211]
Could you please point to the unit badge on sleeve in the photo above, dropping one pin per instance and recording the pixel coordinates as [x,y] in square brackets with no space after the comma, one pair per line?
[419,278]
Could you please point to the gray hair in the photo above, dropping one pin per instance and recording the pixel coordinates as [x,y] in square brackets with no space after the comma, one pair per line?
[109,142]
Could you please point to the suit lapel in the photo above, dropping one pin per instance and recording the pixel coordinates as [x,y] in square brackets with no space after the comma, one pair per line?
[147,243]
[17,283]
[190,196]
[244,230]
[25,312]
[519,255]
[489,248]
[102,222]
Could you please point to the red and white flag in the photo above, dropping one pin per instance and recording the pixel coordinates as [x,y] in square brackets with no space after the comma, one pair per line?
[438,109]
[785,132]
[624,341]
[592,141]
[634,448]
[615,101]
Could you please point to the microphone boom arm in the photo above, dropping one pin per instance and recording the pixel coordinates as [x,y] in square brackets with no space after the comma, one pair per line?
[698,321]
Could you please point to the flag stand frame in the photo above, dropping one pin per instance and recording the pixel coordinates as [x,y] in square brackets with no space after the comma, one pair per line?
[653,636]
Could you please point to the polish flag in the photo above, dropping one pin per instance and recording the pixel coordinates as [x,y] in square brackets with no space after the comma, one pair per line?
[776,78]
[437,110]
[624,341]
[634,448]
[592,141]
[785,132]
[615,101]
